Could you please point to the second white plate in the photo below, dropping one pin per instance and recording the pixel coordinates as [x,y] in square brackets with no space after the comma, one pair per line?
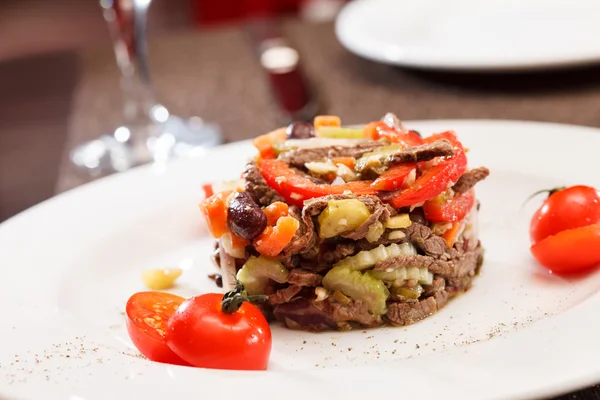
[488,35]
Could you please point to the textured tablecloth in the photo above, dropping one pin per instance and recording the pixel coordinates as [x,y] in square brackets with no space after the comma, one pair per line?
[215,74]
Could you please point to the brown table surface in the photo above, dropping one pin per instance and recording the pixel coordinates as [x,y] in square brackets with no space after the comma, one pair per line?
[214,74]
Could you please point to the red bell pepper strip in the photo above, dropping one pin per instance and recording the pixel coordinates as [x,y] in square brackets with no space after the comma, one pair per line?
[453,209]
[296,188]
[394,178]
[438,178]
[380,130]
[451,235]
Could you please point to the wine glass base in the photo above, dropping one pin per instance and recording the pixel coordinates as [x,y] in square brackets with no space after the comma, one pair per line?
[128,147]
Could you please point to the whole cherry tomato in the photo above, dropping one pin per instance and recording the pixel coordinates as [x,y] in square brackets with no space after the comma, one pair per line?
[147,316]
[565,230]
[220,331]
[568,208]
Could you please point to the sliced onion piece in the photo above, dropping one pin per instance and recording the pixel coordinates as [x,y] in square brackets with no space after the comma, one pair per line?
[228,270]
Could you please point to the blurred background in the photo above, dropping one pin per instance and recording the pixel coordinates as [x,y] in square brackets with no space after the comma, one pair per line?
[41,66]
[247,66]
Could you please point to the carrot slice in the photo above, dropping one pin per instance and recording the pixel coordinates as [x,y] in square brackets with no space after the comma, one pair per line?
[274,238]
[274,211]
[327,120]
[347,161]
[451,234]
[238,242]
[264,143]
[214,210]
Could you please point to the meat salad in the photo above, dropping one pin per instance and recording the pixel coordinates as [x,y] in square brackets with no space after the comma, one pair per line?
[343,228]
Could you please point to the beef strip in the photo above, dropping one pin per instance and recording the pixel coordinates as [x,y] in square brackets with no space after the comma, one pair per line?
[328,254]
[380,213]
[466,264]
[315,206]
[297,158]
[284,295]
[435,266]
[363,244]
[306,314]
[441,298]
[470,179]
[257,187]
[402,314]
[455,286]
[438,285]
[422,237]
[417,215]
[305,238]
[289,261]
[426,152]
[461,264]
[355,311]
[302,277]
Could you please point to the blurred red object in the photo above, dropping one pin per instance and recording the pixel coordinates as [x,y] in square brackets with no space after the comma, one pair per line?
[213,12]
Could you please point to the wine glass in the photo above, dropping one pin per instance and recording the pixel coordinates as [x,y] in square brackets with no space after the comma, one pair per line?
[149,132]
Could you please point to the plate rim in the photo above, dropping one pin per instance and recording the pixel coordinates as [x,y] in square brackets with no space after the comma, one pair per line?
[559,388]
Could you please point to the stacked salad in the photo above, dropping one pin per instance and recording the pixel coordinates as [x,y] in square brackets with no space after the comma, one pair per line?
[344,228]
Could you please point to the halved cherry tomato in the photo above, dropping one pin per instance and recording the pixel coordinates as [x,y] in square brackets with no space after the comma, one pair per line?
[570,250]
[437,178]
[394,178]
[274,211]
[449,209]
[296,188]
[214,210]
[147,317]
[380,130]
[274,238]
[202,334]
[264,143]
[568,208]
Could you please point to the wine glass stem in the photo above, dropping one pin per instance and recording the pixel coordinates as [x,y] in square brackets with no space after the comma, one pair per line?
[127,22]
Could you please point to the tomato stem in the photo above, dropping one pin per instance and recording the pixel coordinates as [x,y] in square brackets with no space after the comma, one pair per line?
[549,191]
[233,300]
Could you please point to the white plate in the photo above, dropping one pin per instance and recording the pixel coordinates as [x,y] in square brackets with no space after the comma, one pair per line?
[69,265]
[473,34]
